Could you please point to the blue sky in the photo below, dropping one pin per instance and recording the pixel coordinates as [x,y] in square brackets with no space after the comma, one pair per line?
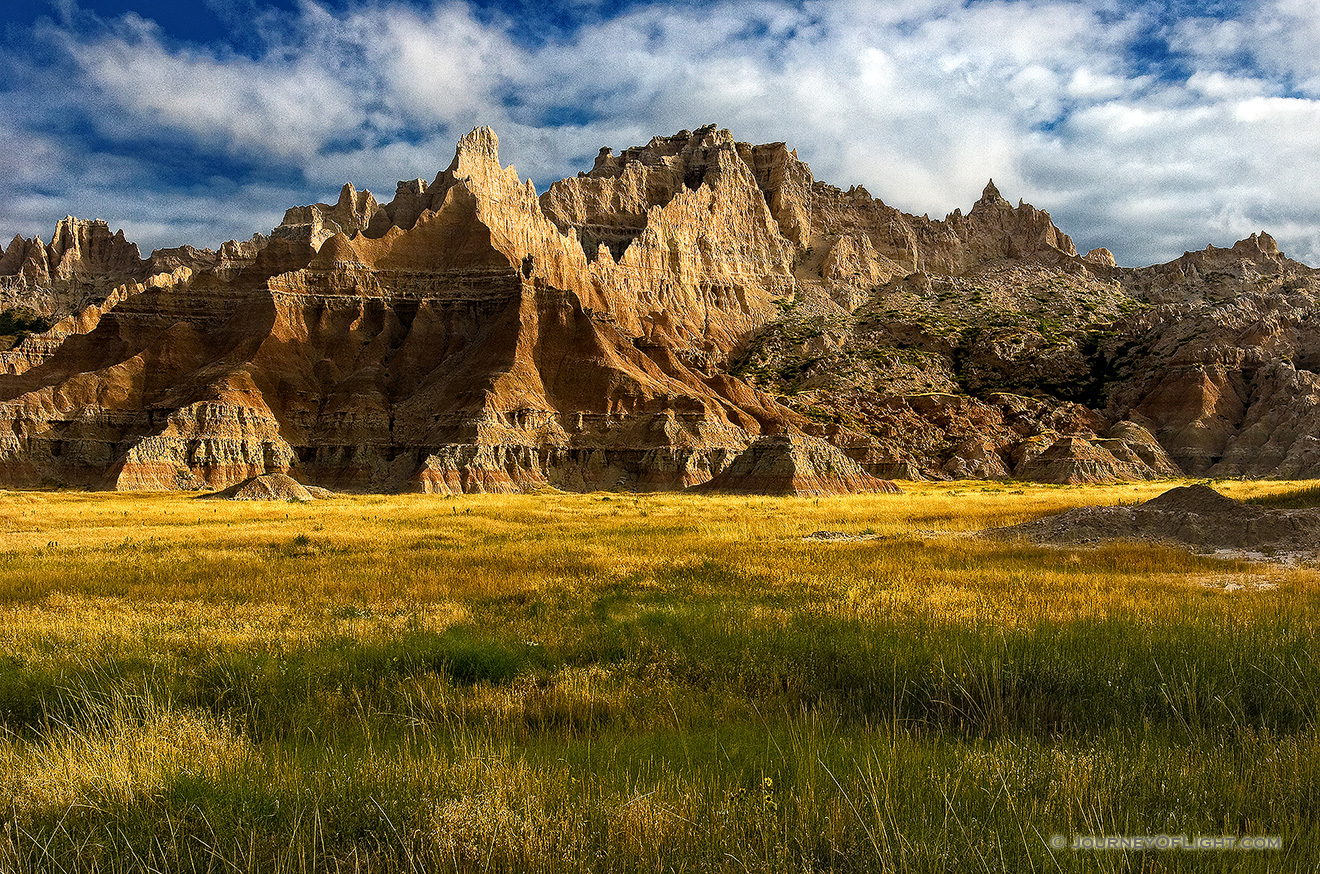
[1147,126]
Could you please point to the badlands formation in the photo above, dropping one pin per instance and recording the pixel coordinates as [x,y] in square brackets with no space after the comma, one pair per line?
[693,313]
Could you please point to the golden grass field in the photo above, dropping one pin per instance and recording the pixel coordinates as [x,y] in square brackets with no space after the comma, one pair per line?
[617,682]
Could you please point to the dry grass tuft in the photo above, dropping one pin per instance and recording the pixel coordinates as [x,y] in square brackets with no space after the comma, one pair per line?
[121,753]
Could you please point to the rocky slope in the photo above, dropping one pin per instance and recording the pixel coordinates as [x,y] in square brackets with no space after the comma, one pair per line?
[696,312]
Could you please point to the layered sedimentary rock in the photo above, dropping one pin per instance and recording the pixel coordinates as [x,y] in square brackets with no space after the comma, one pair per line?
[692,313]
[1073,459]
[455,339]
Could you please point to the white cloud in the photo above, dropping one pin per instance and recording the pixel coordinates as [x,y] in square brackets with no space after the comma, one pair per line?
[1087,85]
[285,106]
[27,158]
[439,68]
[1220,86]
[1275,38]
[920,100]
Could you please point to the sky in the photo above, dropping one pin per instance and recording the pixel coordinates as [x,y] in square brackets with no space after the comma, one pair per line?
[1149,127]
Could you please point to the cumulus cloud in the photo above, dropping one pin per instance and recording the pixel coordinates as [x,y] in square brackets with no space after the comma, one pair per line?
[440,67]
[282,105]
[920,100]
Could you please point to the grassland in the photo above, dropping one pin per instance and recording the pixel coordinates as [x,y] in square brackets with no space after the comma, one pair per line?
[550,683]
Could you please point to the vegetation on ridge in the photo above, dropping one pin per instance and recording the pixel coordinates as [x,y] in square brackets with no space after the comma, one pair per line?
[17,323]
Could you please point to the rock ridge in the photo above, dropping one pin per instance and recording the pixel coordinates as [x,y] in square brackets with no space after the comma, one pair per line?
[696,312]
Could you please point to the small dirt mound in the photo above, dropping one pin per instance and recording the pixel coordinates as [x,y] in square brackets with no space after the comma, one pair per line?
[794,465]
[270,487]
[1192,516]
[1198,499]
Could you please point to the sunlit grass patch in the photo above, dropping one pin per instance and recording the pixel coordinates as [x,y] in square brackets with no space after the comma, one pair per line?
[71,623]
[122,751]
[1292,496]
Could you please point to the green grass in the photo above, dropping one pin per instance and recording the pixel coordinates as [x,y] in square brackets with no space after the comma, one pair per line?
[622,683]
[1303,498]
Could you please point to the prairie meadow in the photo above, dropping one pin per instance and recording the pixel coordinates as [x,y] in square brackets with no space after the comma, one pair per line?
[617,682]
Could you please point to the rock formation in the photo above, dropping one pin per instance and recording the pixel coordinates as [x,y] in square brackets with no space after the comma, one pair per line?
[454,339]
[695,312]
[78,249]
[80,265]
[785,464]
[353,213]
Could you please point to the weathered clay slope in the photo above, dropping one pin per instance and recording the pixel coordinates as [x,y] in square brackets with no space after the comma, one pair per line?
[1223,366]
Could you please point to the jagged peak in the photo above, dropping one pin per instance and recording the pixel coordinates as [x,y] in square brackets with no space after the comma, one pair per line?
[712,135]
[481,144]
[1253,246]
[11,258]
[476,157]
[70,225]
[990,196]
[707,134]
[1261,243]
[349,198]
[77,248]
[706,138]
[411,186]
[361,205]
